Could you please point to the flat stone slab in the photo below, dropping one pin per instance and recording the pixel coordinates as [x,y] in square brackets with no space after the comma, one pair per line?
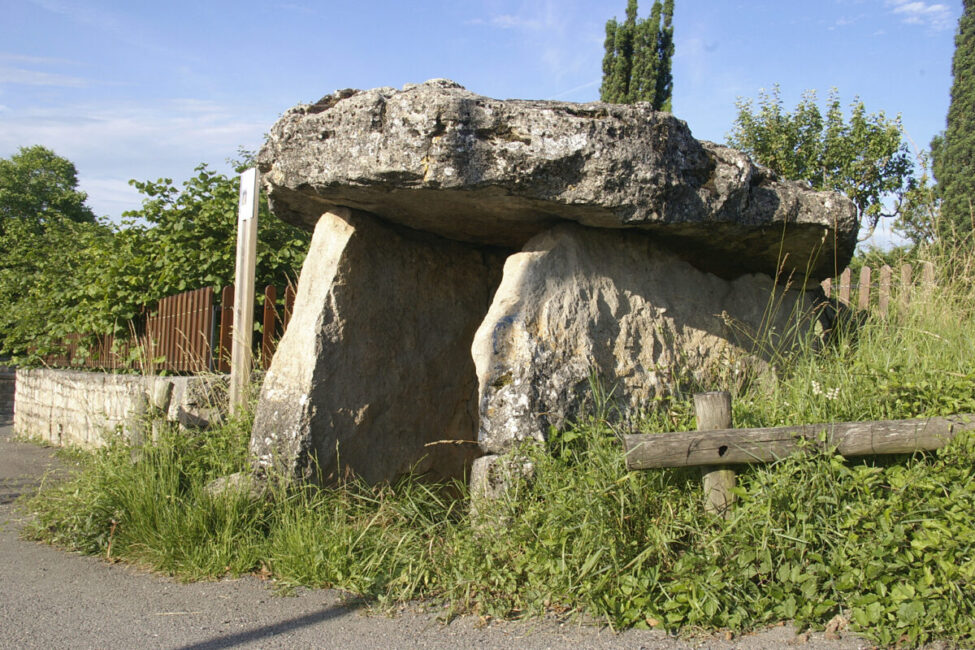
[438,158]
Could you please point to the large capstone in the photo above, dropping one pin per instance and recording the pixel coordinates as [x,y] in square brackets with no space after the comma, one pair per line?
[438,158]
[374,376]
[581,309]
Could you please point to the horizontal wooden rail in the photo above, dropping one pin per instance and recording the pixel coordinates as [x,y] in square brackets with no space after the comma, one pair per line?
[743,446]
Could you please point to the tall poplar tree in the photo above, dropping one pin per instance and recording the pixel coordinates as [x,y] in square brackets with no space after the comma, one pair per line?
[637,63]
[954,153]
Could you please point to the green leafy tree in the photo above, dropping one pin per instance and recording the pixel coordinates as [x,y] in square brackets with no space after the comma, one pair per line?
[954,152]
[184,238]
[866,157]
[637,63]
[44,295]
[98,278]
[45,226]
[191,237]
[38,186]
[920,215]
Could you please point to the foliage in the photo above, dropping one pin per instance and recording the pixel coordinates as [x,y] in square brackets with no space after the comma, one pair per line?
[44,295]
[920,217]
[954,152]
[637,63]
[44,227]
[887,543]
[191,237]
[865,158]
[99,277]
[38,186]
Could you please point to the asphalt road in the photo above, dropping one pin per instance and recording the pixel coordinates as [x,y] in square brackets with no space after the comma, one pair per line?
[53,599]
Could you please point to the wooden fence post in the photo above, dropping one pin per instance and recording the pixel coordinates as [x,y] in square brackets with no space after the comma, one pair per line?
[226,319]
[845,285]
[907,280]
[885,277]
[713,411]
[827,286]
[863,301]
[289,304]
[241,357]
[927,278]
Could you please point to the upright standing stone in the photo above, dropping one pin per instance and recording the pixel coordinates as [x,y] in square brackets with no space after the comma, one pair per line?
[579,304]
[375,364]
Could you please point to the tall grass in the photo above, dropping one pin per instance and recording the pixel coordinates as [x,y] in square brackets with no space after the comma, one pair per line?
[888,543]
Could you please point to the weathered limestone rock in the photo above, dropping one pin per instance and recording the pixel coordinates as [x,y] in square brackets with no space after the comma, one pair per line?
[197,404]
[647,259]
[578,303]
[375,364]
[492,476]
[438,158]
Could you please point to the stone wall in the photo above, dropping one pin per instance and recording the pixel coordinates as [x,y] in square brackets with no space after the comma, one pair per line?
[7,388]
[67,407]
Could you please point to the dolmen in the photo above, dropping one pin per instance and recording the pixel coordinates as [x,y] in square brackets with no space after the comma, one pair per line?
[478,266]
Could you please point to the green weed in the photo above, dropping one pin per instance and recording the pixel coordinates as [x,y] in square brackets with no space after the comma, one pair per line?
[887,543]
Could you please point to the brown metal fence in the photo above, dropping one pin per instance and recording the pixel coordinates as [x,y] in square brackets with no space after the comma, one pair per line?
[181,335]
[273,325]
[104,351]
[180,330]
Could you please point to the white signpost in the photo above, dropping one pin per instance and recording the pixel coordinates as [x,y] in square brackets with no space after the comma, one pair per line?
[241,356]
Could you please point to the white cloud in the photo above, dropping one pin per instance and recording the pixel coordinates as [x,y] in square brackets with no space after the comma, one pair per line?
[37,78]
[110,144]
[35,60]
[509,21]
[109,196]
[564,38]
[936,16]
[568,94]
[123,29]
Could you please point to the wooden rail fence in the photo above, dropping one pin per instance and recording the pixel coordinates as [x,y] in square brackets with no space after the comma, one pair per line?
[886,282]
[180,335]
[717,448]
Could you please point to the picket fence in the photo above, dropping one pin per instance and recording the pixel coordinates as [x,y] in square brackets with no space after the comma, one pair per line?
[886,282]
[186,333]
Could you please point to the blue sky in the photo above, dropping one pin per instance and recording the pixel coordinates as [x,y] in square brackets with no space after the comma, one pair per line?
[136,89]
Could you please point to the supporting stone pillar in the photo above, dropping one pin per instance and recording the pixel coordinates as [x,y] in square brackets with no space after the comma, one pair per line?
[374,374]
[580,304]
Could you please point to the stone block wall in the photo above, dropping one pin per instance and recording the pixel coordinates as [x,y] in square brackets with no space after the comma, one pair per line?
[67,407]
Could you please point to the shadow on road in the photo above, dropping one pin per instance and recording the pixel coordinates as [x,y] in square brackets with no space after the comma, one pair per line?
[13,489]
[233,640]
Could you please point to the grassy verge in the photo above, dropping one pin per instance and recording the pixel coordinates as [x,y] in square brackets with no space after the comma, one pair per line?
[887,543]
